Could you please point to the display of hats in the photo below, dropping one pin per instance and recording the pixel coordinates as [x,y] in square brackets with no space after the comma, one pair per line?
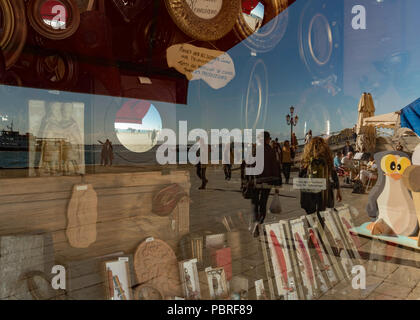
[54,19]
[14,30]
[204,20]
[57,71]
[262,24]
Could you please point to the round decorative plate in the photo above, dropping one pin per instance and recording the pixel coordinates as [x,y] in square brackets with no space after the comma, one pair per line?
[146,292]
[274,21]
[202,19]
[155,263]
[58,71]
[13,29]
[54,19]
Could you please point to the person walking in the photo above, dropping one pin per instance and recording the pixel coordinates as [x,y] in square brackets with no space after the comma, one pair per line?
[347,148]
[202,166]
[264,183]
[107,154]
[317,162]
[286,160]
[229,158]
[277,150]
[308,137]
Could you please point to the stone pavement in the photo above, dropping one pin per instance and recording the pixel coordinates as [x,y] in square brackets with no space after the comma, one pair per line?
[395,274]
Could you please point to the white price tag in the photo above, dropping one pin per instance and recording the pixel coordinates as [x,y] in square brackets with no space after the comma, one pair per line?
[82,188]
[317,184]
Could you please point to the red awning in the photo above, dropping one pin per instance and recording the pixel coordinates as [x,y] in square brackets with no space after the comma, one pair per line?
[133,111]
[249,5]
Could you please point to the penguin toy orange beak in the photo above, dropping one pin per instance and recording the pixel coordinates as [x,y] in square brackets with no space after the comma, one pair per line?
[395,176]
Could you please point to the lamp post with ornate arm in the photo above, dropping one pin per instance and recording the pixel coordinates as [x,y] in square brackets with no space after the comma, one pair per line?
[292,121]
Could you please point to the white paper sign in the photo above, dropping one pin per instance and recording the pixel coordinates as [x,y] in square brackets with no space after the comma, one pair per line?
[215,67]
[317,184]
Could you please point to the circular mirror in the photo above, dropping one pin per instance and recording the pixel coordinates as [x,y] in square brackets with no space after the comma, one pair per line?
[138,125]
[320,39]
[54,14]
[54,19]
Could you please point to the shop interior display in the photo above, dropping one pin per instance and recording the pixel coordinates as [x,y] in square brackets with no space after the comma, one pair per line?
[73,44]
[124,232]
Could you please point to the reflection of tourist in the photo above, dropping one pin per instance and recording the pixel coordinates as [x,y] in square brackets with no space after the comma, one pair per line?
[202,167]
[229,159]
[317,162]
[61,140]
[286,160]
[107,154]
[370,172]
[51,132]
[73,139]
[154,134]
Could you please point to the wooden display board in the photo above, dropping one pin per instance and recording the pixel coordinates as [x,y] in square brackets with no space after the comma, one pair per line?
[125,215]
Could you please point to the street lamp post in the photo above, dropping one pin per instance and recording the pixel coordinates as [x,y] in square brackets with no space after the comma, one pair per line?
[292,121]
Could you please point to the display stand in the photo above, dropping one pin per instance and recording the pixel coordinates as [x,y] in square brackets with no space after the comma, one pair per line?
[404,241]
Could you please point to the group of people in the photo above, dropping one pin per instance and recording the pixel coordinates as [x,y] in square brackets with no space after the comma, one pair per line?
[345,166]
[285,153]
[317,161]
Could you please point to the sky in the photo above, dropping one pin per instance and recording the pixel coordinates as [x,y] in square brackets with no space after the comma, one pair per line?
[384,59]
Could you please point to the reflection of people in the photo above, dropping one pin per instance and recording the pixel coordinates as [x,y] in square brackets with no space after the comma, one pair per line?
[202,167]
[61,140]
[286,160]
[370,172]
[228,156]
[51,133]
[317,162]
[308,137]
[107,154]
[153,136]
[347,148]
[73,139]
[269,177]
[348,165]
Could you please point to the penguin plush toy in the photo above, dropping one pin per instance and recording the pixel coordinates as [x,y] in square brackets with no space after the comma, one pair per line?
[390,201]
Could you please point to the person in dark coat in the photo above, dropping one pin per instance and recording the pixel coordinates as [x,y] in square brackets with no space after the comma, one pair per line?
[348,148]
[264,183]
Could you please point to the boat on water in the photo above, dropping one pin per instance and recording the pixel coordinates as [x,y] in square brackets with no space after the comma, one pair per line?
[11,140]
